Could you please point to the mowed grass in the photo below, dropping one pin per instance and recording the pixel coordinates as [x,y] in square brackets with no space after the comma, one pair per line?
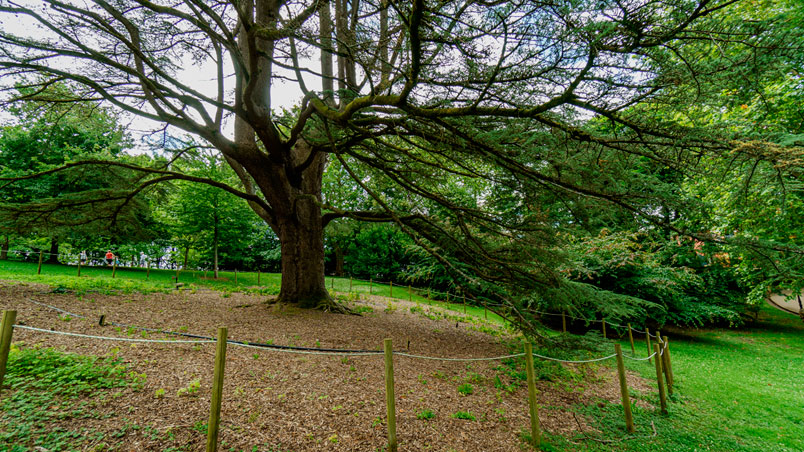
[128,279]
[735,391]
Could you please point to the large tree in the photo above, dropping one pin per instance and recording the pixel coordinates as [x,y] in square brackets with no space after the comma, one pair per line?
[427,97]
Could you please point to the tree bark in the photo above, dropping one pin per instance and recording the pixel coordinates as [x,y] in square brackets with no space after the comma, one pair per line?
[186,257]
[4,249]
[54,251]
[339,255]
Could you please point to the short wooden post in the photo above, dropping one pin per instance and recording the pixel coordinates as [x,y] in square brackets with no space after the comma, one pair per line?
[6,330]
[564,321]
[428,296]
[148,271]
[390,401]
[447,296]
[114,268]
[102,320]
[604,328]
[659,380]
[235,277]
[626,398]
[177,273]
[332,283]
[631,339]
[350,284]
[669,363]
[464,303]
[647,341]
[39,267]
[217,391]
[79,267]
[535,430]
[371,284]
[410,293]
[391,288]
[258,276]
[666,365]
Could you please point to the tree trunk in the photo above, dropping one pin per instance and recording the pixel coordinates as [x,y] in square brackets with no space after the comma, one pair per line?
[4,249]
[302,264]
[186,257]
[215,247]
[339,255]
[54,251]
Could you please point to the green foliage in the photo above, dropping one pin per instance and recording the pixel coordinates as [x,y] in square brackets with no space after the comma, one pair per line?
[44,386]
[466,389]
[425,415]
[465,415]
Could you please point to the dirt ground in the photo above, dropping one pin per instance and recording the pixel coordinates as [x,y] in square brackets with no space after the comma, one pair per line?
[279,401]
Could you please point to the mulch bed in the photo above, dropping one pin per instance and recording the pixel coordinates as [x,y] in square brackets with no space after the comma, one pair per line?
[282,401]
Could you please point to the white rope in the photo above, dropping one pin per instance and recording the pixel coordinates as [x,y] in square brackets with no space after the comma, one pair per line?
[121,339]
[303,352]
[641,359]
[575,362]
[436,358]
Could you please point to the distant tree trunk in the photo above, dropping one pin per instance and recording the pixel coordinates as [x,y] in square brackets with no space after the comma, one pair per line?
[215,246]
[339,255]
[54,251]
[186,256]
[4,249]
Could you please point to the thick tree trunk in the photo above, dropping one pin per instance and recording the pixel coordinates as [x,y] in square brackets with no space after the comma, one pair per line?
[54,251]
[302,245]
[4,249]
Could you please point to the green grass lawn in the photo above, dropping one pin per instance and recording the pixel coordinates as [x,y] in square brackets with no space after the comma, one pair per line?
[127,279]
[735,391]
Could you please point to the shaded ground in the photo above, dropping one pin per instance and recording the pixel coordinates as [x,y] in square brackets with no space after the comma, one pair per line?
[275,401]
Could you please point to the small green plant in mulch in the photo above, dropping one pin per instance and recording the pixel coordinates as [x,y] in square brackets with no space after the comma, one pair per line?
[47,389]
[466,389]
[466,415]
[191,389]
[425,415]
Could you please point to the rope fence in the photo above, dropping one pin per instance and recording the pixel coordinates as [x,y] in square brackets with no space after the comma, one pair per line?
[660,349]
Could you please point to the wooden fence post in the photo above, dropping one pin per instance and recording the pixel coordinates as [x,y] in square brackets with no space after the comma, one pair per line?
[464,303]
[217,391]
[391,288]
[669,371]
[6,330]
[177,273]
[659,380]
[604,328]
[39,267]
[350,284]
[79,267]
[235,277]
[665,365]
[148,271]
[410,293]
[631,339]
[258,276]
[626,398]
[563,321]
[371,284]
[390,401]
[535,430]
[114,267]
[647,341]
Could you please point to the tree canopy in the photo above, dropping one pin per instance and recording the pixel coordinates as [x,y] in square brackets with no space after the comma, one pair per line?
[486,131]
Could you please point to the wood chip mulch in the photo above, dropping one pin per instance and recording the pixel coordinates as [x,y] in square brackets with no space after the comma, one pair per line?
[278,401]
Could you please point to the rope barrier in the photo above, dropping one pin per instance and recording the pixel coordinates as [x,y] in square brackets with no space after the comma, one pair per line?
[436,358]
[107,338]
[573,361]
